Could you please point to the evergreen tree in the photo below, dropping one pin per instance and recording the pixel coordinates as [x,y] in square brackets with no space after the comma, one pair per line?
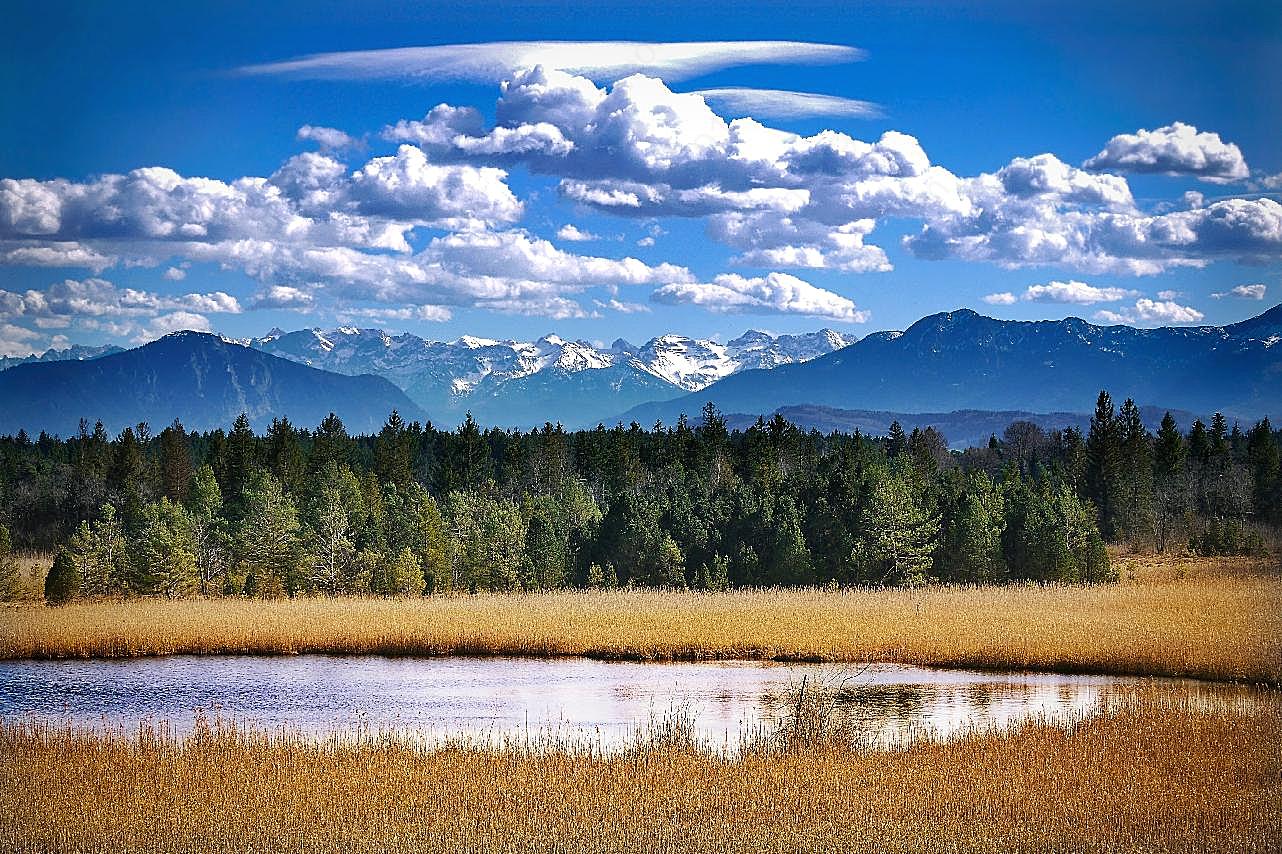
[207,528]
[1104,465]
[175,462]
[62,584]
[268,539]
[393,454]
[1135,511]
[285,455]
[1170,481]
[896,441]
[898,535]
[162,556]
[333,554]
[8,567]
[972,551]
[1265,460]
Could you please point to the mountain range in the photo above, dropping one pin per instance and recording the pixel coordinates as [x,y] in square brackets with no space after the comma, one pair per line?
[526,383]
[974,373]
[961,360]
[198,378]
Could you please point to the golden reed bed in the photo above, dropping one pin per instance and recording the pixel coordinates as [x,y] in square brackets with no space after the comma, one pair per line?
[1160,774]
[1210,619]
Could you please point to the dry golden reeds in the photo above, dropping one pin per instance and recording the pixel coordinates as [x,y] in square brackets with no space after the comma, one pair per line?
[1216,620]
[1157,774]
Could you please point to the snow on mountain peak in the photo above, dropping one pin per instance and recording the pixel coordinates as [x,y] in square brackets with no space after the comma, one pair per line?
[468,364]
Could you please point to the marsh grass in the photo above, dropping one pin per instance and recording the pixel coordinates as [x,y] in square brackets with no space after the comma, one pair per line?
[1218,619]
[1158,773]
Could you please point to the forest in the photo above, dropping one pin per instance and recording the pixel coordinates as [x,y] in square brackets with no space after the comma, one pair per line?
[416,509]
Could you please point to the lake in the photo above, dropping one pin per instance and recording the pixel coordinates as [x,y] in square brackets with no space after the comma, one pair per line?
[579,698]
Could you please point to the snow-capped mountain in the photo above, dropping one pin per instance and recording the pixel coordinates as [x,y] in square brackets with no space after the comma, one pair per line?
[525,383]
[74,353]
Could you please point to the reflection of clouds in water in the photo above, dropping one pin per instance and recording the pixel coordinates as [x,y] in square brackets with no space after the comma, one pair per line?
[495,697]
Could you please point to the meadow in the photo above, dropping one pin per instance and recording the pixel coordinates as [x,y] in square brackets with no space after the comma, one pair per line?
[1160,773]
[1212,618]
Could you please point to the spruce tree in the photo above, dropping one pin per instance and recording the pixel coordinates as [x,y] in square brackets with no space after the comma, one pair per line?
[1104,465]
[62,584]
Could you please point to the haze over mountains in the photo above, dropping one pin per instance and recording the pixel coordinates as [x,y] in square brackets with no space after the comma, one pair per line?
[974,373]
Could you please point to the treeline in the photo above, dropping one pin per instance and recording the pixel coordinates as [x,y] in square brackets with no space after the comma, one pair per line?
[417,509]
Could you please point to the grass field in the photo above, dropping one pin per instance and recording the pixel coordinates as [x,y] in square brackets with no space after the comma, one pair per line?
[1160,774]
[1213,619]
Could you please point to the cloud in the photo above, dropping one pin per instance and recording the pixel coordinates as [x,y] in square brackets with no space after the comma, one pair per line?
[76,300]
[1256,291]
[1003,298]
[785,104]
[1152,311]
[775,293]
[572,233]
[329,139]
[16,340]
[491,62]
[285,297]
[174,322]
[1176,149]
[622,307]
[1077,293]
[174,274]
[430,313]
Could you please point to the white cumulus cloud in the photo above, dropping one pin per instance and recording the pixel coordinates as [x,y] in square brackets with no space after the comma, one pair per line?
[774,293]
[1255,291]
[1176,149]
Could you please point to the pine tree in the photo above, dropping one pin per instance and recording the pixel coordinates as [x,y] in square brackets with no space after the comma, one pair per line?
[242,459]
[1170,481]
[175,462]
[208,529]
[269,538]
[1136,486]
[972,551]
[285,458]
[8,567]
[898,535]
[1265,460]
[62,584]
[333,553]
[1104,465]
[162,556]
[393,454]
[896,441]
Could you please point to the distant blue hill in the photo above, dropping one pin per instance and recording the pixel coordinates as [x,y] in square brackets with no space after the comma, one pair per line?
[197,378]
[964,428]
[961,360]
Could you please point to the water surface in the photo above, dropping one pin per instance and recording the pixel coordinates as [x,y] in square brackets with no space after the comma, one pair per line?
[494,697]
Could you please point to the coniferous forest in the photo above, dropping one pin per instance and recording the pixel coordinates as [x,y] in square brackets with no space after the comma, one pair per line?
[416,509]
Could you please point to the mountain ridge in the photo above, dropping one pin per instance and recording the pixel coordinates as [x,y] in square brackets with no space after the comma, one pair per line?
[199,378]
[963,360]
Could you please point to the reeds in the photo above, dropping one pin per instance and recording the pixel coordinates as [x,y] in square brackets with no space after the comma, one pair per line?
[1157,774]
[1219,620]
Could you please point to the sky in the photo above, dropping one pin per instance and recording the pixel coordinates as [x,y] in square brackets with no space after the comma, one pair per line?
[612,170]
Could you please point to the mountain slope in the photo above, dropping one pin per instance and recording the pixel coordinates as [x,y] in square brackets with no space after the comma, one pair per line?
[198,378]
[961,360]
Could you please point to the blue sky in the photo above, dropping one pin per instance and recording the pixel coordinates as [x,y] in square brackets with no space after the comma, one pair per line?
[155,176]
